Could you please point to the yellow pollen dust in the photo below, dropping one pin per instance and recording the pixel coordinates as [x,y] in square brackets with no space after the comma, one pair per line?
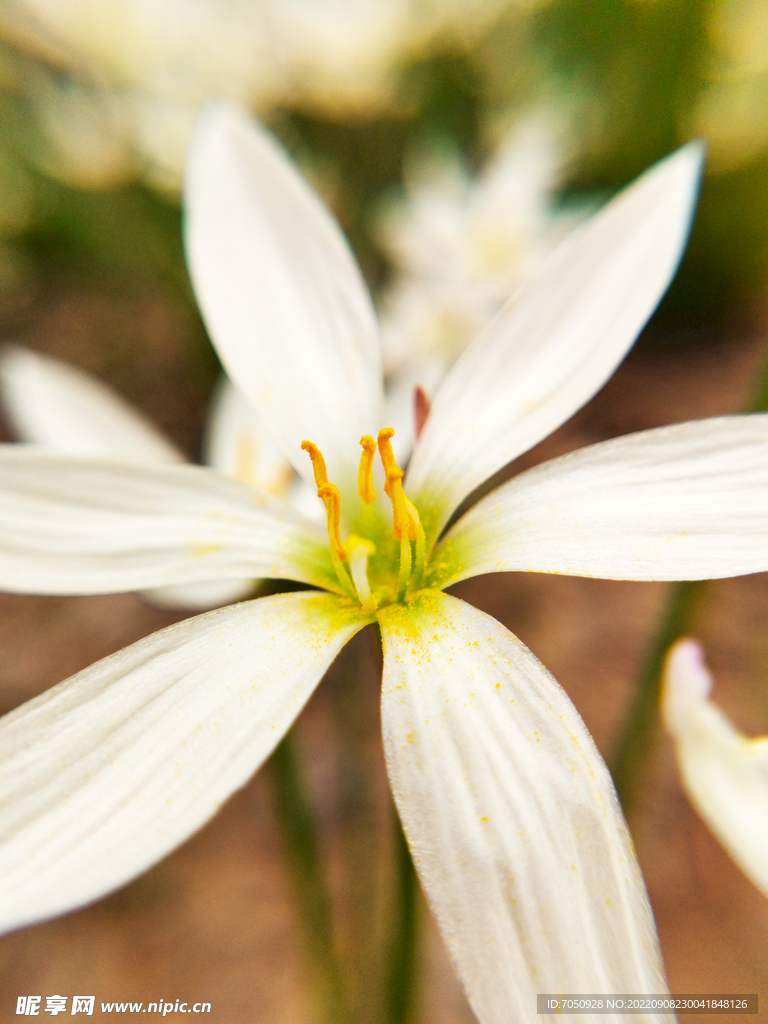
[329,493]
[405,518]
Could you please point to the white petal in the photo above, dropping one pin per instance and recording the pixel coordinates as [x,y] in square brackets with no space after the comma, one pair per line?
[684,502]
[724,774]
[237,444]
[511,816]
[66,409]
[111,769]
[63,407]
[558,340]
[282,297]
[85,526]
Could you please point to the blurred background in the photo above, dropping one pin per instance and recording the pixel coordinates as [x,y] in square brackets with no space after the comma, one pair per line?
[456,141]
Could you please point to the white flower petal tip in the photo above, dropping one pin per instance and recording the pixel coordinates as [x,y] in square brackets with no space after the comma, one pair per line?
[724,774]
[60,406]
[510,814]
[687,683]
[559,339]
[110,770]
[281,294]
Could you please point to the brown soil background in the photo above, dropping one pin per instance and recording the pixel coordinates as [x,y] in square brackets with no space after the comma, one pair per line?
[215,920]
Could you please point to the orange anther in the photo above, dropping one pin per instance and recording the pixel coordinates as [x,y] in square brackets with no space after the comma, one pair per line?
[365,473]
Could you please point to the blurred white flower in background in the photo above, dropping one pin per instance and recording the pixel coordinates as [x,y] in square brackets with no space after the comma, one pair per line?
[50,403]
[461,245]
[85,133]
[132,74]
[136,71]
[724,774]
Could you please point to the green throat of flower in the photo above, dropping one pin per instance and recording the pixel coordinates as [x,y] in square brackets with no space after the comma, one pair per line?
[375,574]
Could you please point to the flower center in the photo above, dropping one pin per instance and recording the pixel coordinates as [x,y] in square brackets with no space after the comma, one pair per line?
[350,557]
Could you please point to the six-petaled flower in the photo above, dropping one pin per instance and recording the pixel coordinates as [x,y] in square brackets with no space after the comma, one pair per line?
[507,806]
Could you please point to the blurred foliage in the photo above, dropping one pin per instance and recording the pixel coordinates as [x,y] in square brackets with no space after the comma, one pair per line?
[641,68]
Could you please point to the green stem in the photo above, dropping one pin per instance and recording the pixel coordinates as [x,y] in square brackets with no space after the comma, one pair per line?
[637,738]
[314,902]
[400,976]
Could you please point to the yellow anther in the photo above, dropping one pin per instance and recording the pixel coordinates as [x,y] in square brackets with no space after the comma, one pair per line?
[332,501]
[405,518]
[330,496]
[318,464]
[365,473]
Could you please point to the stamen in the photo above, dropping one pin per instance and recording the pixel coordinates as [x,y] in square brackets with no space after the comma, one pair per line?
[360,549]
[331,499]
[405,522]
[365,473]
[405,518]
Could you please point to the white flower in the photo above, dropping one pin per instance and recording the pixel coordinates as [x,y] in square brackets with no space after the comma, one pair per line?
[462,246]
[724,774]
[66,409]
[506,803]
[139,69]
